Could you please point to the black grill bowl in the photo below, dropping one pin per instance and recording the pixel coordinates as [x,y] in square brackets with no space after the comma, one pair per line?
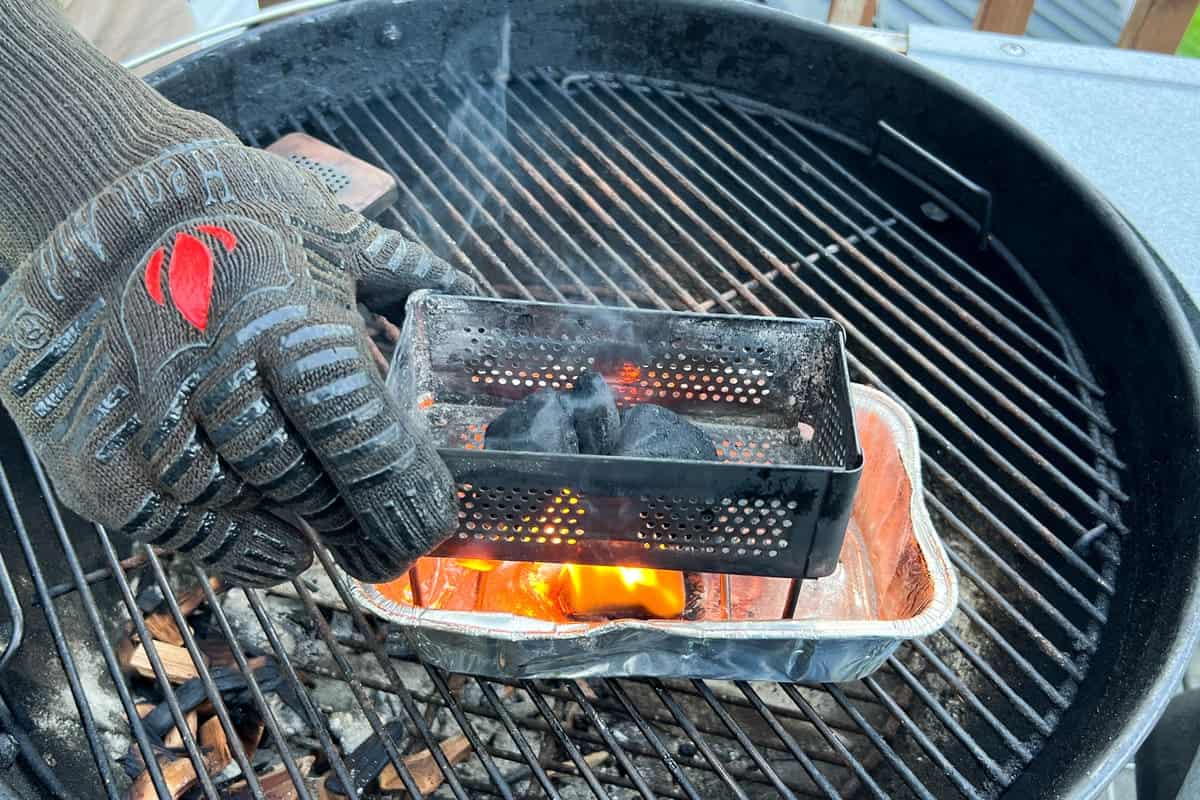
[980,280]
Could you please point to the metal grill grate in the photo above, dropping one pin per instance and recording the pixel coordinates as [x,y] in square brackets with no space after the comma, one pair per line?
[612,190]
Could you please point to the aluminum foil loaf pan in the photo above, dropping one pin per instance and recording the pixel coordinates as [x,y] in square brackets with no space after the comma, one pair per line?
[893,582]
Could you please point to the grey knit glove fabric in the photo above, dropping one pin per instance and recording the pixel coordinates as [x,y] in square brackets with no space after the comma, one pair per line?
[184,352]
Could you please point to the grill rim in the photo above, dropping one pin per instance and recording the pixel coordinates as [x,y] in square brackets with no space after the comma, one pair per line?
[1073,772]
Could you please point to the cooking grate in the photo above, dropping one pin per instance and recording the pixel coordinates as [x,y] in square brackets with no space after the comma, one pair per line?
[612,190]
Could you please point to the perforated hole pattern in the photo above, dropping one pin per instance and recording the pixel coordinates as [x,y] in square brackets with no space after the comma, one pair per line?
[761,391]
[531,515]
[334,180]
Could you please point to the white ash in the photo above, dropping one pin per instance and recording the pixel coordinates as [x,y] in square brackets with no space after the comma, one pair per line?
[291,723]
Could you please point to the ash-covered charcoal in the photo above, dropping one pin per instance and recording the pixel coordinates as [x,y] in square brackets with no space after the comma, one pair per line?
[594,411]
[539,423]
[651,431]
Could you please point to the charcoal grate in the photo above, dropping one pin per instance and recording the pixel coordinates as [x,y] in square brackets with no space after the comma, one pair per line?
[608,189]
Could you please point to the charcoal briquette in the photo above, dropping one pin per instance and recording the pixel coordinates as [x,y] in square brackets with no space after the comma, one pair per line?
[651,431]
[539,423]
[594,411]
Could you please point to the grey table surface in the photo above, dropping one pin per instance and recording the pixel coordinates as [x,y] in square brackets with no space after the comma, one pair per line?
[1129,121]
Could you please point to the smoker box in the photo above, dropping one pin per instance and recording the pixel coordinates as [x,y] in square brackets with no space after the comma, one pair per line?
[772,393]
[893,582]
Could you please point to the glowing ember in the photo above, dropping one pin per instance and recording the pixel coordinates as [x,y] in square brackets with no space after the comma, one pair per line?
[588,591]
[629,373]
[478,564]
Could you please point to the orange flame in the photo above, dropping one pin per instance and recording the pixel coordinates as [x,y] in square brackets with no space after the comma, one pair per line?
[592,591]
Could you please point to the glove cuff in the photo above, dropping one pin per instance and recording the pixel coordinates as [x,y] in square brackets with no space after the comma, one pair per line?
[73,123]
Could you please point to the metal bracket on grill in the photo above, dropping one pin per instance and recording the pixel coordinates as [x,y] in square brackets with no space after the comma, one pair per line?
[975,193]
[16,620]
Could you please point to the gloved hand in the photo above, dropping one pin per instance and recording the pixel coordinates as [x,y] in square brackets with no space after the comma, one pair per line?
[184,352]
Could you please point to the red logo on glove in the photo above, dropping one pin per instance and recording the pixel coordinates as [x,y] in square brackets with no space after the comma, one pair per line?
[189,273]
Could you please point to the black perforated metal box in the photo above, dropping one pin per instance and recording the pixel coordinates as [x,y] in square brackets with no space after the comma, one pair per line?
[772,393]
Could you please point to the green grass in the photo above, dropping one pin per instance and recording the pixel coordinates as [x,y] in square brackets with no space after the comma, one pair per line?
[1190,46]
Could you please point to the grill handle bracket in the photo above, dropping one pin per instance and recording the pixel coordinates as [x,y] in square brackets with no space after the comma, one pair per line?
[975,195]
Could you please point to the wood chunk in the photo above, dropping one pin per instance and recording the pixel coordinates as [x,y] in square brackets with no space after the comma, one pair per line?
[162,628]
[214,742]
[276,784]
[250,735]
[593,760]
[193,598]
[425,771]
[174,738]
[175,660]
[180,774]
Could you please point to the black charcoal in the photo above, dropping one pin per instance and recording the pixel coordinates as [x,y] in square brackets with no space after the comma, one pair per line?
[651,431]
[594,410]
[539,423]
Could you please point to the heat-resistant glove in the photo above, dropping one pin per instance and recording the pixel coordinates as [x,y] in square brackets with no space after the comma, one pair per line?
[183,348]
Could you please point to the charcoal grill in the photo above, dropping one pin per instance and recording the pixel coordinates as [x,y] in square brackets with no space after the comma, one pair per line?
[715,157]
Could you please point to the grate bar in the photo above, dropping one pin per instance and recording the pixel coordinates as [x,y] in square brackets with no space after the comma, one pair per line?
[210,688]
[564,740]
[92,612]
[705,750]
[587,199]
[947,719]
[788,740]
[260,700]
[1010,739]
[413,201]
[946,277]
[647,730]
[525,194]
[356,687]
[1002,428]
[742,739]
[541,726]
[464,724]
[880,744]
[562,203]
[488,186]
[946,413]
[398,688]
[514,733]
[899,288]
[1030,671]
[958,311]
[642,197]
[476,207]
[962,264]
[610,741]
[773,274]
[1078,638]
[315,717]
[1026,710]
[1016,542]
[89,722]
[1060,659]
[949,770]
[833,739]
